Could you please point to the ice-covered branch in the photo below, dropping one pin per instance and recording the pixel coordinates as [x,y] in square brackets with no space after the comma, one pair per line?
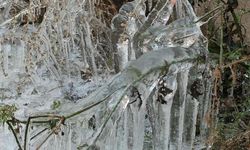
[137,39]
[149,62]
[111,97]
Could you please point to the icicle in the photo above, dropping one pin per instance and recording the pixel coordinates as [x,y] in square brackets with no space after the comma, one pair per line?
[6,51]
[124,26]
[178,110]
[191,112]
[164,14]
[20,56]
[90,47]
[122,48]
[1,61]
[205,104]
[179,9]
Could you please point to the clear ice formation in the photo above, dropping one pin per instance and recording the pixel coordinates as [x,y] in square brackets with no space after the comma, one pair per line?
[158,100]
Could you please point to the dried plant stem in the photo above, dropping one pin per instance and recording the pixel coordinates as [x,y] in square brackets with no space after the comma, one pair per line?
[27,10]
[44,141]
[15,135]
[221,41]
[208,14]
[233,142]
[39,133]
[236,62]
[28,123]
[54,130]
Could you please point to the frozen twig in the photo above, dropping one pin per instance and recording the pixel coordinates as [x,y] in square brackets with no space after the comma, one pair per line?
[25,11]
[137,39]
[15,135]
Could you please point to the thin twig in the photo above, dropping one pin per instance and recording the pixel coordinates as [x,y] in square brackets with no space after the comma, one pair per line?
[111,113]
[44,141]
[208,14]
[28,123]
[54,130]
[221,41]
[25,121]
[236,62]
[26,133]
[27,10]
[15,135]
[89,107]
[235,141]
[39,133]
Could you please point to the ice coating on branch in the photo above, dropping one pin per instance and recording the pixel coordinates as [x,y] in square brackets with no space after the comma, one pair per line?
[124,25]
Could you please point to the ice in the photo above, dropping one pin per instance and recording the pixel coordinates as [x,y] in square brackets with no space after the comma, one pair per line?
[158,99]
[7,139]
[124,26]
[6,52]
